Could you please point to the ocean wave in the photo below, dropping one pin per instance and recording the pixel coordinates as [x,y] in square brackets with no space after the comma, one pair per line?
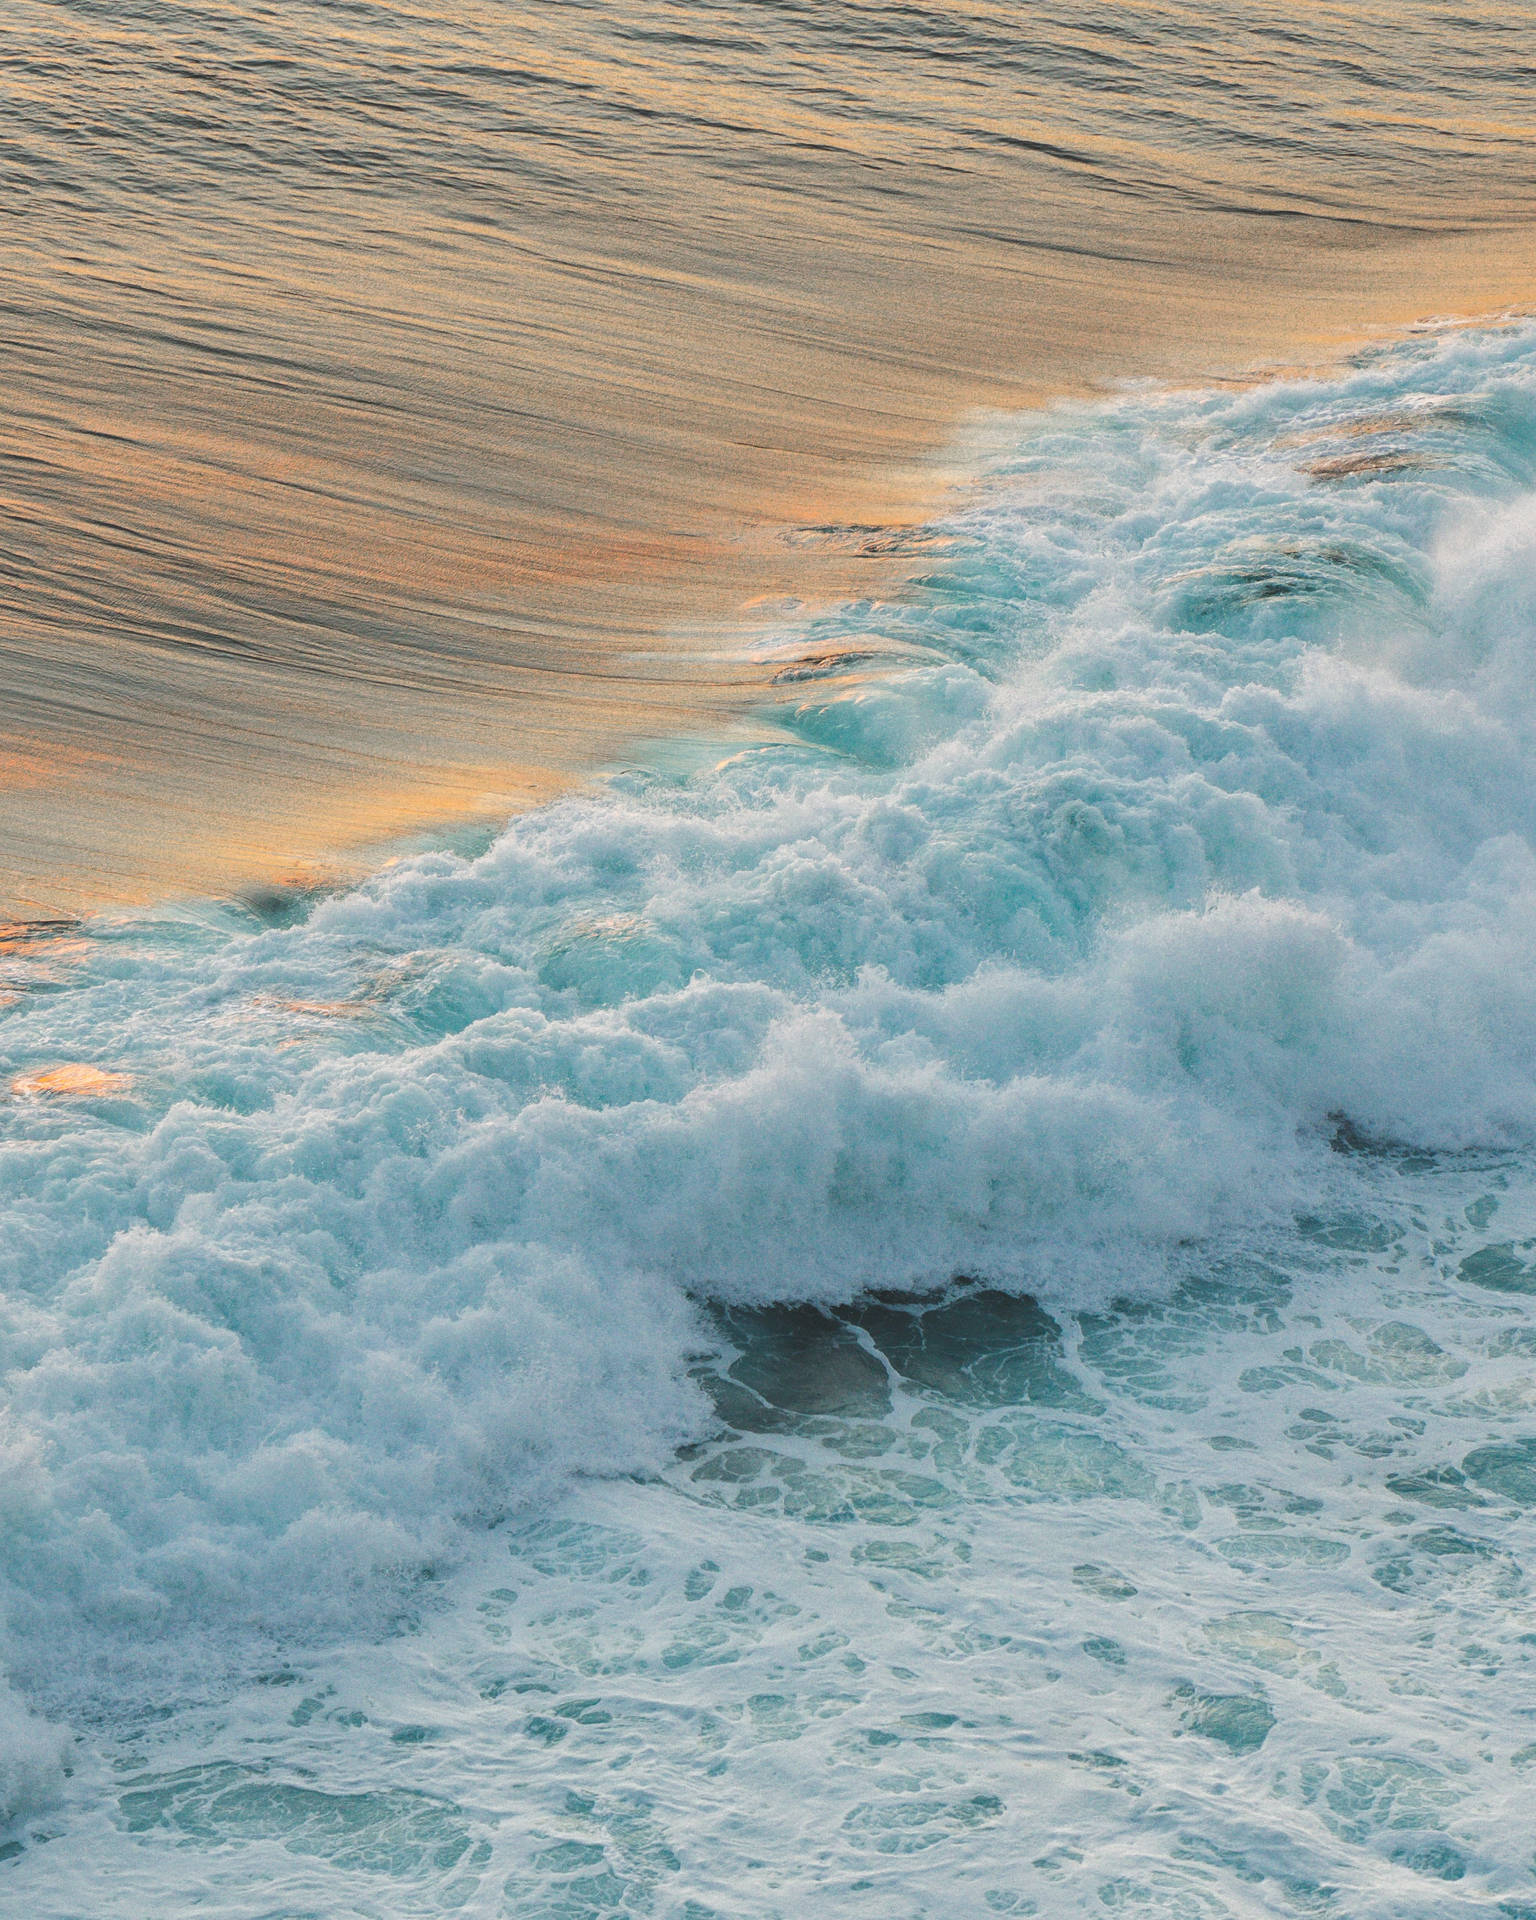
[1060,920]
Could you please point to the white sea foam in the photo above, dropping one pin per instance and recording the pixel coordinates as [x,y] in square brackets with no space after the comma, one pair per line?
[31,1763]
[1204,826]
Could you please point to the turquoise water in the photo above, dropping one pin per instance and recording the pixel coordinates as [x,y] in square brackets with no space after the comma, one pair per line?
[931,1314]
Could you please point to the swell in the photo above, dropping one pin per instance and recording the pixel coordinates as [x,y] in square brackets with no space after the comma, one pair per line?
[1052,926]
[367,371]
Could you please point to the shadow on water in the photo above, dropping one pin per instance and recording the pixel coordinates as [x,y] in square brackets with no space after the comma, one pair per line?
[809,1370]
[978,1348]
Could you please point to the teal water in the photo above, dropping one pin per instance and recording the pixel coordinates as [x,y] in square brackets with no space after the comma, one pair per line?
[929,1314]
[1218,1606]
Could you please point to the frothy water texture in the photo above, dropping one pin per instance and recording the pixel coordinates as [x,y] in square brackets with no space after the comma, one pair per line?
[1018,1169]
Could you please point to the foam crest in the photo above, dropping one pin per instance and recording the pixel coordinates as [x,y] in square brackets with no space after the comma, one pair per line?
[1191,824]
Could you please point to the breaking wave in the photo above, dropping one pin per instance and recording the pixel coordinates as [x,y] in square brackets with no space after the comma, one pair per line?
[1057,922]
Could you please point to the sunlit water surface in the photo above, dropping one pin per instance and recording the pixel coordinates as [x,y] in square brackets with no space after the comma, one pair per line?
[398,397]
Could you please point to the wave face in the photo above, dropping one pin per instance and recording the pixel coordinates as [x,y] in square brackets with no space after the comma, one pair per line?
[1161,873]
[387,385]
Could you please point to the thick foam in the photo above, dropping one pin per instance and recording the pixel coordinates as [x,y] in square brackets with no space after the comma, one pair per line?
[1057,921]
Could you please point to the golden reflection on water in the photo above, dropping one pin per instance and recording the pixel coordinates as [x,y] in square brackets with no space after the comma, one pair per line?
[74,1079]
[396,397]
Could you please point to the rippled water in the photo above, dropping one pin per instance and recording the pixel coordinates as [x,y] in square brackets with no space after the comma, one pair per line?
[921,1309]
[397,397]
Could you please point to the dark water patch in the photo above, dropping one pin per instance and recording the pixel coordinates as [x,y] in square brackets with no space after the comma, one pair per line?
[1501,1268]
[1435,1858]
[984,1349]
[1348,1137]
[275,905]
[1103,1582]
[797,1361]
[1508,1470]
[980,1349]
[1240,1722]
[1435,1487]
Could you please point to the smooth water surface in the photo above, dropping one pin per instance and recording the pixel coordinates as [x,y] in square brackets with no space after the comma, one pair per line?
[399,396]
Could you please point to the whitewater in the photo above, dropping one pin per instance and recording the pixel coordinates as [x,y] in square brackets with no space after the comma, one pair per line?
[921,1307]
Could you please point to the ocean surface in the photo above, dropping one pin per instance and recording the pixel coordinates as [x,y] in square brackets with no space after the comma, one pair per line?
[400,397]
[925,1305]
